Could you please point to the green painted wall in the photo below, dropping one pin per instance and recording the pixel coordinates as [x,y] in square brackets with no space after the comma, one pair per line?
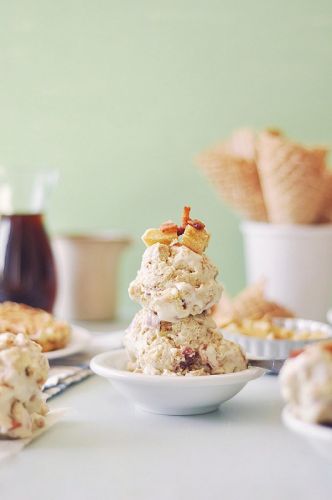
[121,95]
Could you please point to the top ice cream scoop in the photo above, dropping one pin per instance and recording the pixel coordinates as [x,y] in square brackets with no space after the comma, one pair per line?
[176,278]
[175,282]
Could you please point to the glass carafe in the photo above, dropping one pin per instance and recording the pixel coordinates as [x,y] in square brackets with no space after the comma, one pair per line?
[27,270]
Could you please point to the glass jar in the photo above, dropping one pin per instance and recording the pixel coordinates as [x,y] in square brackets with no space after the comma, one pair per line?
[27,269]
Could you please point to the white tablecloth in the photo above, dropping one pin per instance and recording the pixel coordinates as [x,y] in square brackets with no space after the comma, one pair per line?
[105,449]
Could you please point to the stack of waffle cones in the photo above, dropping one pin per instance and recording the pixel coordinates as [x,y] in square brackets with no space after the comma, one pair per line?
[250,303]
[232,169]
[267,177]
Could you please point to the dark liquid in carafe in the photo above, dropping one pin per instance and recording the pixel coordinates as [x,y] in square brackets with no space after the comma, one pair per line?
[27,271]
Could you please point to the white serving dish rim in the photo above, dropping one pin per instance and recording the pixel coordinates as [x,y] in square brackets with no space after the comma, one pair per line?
[309,430]
[274,348]
[97,365]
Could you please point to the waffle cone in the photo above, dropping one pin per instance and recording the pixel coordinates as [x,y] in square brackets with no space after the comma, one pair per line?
[236,180]
[292,179]
[242,143]
[326,210]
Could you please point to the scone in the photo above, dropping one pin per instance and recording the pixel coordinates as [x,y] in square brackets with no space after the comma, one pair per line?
[23,372]
[38,324]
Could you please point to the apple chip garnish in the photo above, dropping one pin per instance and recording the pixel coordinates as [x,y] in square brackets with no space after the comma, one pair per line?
[194,235]
[152,236]
[195,239]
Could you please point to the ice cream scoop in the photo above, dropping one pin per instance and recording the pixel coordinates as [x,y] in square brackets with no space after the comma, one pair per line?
[23,371]
[175,282]
[306,383]
[191,346]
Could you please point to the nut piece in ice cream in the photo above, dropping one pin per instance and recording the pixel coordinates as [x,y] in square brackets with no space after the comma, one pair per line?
[23,372]
[195,239]
[306,383]
[175,282]
[191,346]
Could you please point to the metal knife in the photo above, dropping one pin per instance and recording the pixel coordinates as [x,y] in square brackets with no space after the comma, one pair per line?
[272,365]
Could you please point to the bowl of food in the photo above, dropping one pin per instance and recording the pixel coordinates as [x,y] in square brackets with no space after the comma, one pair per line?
[175,361]
[275,338]
[306,386]
[171,394]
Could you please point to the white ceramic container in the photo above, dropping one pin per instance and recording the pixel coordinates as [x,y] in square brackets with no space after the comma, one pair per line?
[167,394]
[87,270]
[296,261]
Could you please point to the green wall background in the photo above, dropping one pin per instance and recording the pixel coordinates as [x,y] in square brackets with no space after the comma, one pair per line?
[121,95]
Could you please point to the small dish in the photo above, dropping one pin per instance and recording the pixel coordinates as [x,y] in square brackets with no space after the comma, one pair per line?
[278,349]
[171,395]
[319,436]
[79,340]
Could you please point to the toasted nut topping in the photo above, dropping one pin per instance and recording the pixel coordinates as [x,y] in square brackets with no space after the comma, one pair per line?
[197,224]
[185,216]
[169,227]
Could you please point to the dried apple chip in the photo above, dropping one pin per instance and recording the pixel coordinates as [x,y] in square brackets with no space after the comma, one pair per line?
[195,239]
[152,236]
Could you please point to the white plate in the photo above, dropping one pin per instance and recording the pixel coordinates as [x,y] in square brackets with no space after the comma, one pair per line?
[79,340]
[167,394]
[278,349]
[319,436]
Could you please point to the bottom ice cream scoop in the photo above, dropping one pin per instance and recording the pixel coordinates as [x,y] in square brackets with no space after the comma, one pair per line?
[23,372]
[191,346]
[306,383]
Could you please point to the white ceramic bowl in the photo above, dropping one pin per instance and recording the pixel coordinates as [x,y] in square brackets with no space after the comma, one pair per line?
[278,349]
[171,395]
[319,436]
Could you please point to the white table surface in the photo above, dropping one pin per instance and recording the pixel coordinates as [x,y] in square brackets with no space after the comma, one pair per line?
[105,449]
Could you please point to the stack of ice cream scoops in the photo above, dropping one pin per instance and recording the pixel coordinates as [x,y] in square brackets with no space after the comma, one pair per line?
[267,177]
[174,333]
